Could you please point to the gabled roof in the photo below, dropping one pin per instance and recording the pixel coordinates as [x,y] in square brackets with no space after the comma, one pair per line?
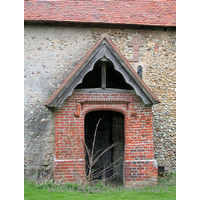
[135,12]
[103,48]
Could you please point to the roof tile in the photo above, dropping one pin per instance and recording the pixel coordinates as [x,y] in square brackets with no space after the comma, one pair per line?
[137,12]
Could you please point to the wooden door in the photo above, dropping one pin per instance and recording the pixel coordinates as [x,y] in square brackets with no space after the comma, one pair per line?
[103,136]
[110,130]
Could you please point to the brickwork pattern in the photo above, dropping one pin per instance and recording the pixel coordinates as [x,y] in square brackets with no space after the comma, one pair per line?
[51,53]
[69,135]
[158,59]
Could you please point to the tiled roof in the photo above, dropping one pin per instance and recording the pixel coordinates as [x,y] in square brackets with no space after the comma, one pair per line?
[134,12]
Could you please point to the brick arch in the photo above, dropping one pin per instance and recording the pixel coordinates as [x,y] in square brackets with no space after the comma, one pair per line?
[105,107]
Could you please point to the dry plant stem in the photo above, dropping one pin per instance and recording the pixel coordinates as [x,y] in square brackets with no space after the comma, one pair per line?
[92,175]
[105,170]
[91,156]
[108,148]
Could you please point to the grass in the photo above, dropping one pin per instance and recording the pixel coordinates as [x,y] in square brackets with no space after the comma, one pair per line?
[33,191]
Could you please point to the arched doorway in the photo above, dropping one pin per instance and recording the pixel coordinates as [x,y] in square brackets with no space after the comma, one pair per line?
[110,131]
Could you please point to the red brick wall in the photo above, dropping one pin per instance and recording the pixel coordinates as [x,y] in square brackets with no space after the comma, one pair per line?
[139,163]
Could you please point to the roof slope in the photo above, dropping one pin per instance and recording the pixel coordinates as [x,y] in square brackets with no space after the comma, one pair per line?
[135,12]
[103,48]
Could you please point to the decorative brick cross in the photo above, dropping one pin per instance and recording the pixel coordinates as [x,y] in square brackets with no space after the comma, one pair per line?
[136,43]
